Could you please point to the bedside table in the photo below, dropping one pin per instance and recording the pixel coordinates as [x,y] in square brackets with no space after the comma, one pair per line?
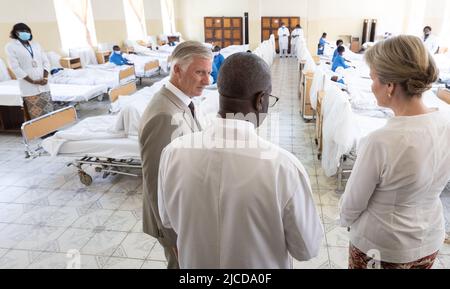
[70,63]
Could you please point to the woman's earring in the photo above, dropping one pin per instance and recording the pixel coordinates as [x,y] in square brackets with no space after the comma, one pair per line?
[389,95]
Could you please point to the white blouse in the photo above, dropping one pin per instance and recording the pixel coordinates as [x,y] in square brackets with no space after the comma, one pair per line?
[392,199]
[21,63]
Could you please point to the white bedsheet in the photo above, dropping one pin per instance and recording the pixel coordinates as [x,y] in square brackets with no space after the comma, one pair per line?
[10,92]
[232,49]
[89,76]
[94,128]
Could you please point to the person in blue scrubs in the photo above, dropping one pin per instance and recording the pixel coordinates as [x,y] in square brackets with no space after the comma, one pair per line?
[322,42]
[339,43]
[339,61]
[117,57]
[217,63]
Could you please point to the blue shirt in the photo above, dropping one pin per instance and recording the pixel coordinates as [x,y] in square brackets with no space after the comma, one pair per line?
[336,53]
[118,59]
[322,43]
[217,63]
[339,61]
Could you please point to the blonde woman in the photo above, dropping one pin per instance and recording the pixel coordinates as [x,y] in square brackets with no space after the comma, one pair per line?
[391,203]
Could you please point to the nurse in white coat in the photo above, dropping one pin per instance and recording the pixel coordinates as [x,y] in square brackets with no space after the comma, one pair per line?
[431,42]
[283,40]
[296,35]
[31,67]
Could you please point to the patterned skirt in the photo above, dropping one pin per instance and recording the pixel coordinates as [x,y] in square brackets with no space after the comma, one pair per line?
[38,105]
[359,260]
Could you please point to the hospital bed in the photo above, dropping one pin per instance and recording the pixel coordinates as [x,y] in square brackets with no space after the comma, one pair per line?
[10,93]
[161,55]
[96,74]
[94,142]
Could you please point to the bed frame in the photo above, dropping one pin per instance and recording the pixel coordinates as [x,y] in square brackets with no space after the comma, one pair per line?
[150,66]
[124,74]
[126,89]
[52,122]
[46,125]
[444,94]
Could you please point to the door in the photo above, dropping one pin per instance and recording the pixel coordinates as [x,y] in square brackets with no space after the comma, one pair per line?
[224,31]
[270,25]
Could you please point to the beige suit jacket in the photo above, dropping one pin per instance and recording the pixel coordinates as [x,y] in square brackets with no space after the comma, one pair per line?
[165,119]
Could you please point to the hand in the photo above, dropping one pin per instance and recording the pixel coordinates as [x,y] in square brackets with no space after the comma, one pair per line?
[44,81]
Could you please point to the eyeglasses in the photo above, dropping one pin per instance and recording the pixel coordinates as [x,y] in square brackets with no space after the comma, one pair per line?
[273,100]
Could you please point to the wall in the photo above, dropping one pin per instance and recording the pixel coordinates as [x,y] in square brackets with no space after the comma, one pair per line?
[153,17]
[109,21]
[344,17]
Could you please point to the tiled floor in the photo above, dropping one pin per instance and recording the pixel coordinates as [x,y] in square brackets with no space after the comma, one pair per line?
[46,214]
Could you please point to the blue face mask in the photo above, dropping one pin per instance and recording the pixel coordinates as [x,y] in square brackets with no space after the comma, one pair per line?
[24,36]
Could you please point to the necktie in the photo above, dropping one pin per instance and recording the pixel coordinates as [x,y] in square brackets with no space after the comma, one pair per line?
[192,108]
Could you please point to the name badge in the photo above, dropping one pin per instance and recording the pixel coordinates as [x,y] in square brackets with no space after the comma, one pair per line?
[34,64]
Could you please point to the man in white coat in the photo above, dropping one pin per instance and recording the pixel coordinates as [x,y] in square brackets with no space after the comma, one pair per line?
[235,200]
[431,42]
[283,40]
[296,36]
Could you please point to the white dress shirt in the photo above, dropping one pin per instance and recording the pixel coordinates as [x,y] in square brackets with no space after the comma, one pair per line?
[392,199]
[432,44]
[21,63]
[237,208]
[181,95]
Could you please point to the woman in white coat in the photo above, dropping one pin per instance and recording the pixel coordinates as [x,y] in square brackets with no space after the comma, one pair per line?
[31,67]
[283,40]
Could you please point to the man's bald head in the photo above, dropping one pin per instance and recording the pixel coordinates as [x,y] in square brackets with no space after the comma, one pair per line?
[244,86]
[243,75]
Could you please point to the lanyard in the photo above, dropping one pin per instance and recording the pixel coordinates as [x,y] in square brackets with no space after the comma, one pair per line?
[29,49]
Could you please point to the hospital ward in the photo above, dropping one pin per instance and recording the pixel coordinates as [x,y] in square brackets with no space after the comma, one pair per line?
[238,134]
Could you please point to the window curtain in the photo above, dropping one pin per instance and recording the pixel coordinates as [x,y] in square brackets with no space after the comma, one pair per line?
[137,6]
[83,12]
[444,36]
[168,16]
[415,17]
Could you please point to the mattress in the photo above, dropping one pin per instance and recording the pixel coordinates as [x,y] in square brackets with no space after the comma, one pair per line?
[76,93]
[117,148]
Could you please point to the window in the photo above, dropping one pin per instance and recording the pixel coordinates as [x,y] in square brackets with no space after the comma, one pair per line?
[76,23]
[168,17]
[135,18]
